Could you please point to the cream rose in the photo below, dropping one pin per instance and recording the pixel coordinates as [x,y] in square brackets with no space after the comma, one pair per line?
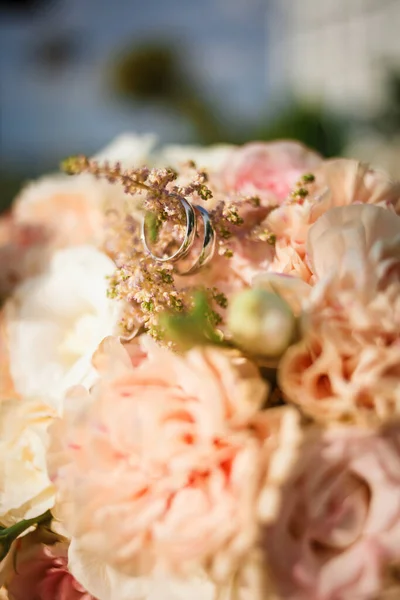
[106,583]
[56,320]
[25,488]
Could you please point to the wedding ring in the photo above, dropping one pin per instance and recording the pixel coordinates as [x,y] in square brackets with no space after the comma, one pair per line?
[187,240]
[208,247]
[208,243]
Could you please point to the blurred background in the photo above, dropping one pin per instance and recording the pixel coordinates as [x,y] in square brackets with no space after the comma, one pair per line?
[75,73]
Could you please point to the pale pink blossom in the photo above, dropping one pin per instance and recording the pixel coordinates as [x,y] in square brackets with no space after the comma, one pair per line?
[349,232]
[288,261]
[348,362]
[339,182]
[269,170]
[161,464]
[337,533]
[39,570]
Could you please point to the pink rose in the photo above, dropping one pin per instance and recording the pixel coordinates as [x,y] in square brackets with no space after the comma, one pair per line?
[161,464]
[39,571]
[338,183]
[270,169]
[337,533]
[347,364]
[349,231]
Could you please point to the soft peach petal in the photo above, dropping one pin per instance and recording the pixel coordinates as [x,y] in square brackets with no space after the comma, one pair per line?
[77,199]
[340,182]
[162,463]
[343,230]
[288,261]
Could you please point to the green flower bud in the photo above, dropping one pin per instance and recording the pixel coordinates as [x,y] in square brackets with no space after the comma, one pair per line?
[261,322]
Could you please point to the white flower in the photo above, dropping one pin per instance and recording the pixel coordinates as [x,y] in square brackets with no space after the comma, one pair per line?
[105,583]
[56,320]
[211,158]
[130,149]
[25,488]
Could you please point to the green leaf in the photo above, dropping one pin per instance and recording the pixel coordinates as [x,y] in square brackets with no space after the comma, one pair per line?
[9,534]
[195,327]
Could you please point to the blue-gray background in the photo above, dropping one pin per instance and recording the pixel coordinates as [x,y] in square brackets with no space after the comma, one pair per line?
[62,91]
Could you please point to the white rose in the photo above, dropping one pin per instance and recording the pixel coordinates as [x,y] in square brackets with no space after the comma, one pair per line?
[211,158]
[130,149]
[105,583]
[25,488]
[56,320]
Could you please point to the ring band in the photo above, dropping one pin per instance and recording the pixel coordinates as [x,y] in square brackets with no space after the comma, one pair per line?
[208,246]
[187,241]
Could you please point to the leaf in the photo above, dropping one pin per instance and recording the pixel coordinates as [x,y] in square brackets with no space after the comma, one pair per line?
[194,327]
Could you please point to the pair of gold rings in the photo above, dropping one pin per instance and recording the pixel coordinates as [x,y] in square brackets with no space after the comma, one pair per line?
[187,247]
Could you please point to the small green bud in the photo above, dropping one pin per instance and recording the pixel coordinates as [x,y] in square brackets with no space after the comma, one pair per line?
[73,164]
[308,178]
[261,323]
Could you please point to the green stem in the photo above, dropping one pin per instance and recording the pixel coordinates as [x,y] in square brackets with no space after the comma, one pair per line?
[9,534]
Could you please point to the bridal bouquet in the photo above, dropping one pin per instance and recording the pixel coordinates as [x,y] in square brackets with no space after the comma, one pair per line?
[200,378]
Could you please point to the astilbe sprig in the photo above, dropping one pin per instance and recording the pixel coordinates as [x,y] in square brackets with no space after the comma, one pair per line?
[149,288]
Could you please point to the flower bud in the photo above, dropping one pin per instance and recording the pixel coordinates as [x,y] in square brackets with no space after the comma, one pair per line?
[261,322]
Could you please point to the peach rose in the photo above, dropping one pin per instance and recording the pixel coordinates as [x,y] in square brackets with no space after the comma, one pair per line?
[288,261]
[349,231]
[267,169]
[339,182]
[348,363]
[161,464]
[337,532]
[67,209]
[70,210]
